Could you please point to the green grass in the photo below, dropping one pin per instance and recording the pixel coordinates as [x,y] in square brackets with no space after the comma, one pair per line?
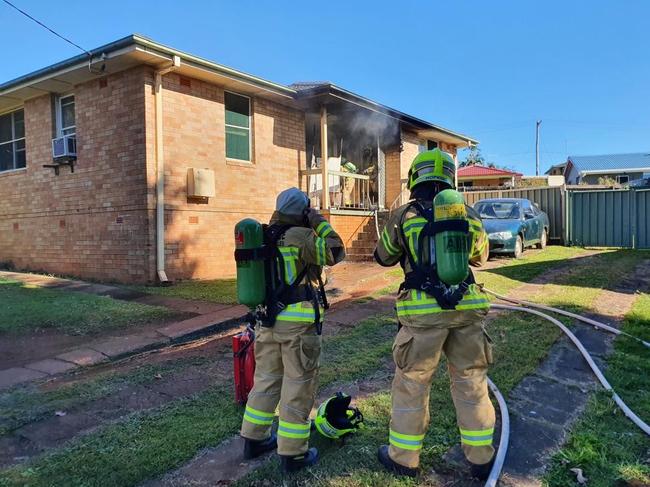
[26,308]
[605,444]
[222,291]
[30,403]
[130,451]
[138,448]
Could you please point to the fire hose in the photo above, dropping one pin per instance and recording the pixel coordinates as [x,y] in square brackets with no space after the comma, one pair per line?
[505,422]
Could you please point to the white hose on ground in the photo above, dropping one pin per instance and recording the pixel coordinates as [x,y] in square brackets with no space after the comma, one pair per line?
[626,410]
[584,319]
[500,457]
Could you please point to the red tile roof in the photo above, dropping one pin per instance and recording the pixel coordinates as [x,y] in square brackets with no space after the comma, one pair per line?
[476,171]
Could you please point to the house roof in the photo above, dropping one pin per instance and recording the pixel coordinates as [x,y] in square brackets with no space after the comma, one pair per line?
[136,49]
[612,163]
[123,54]
[315,89]
[561,165]
[476,171]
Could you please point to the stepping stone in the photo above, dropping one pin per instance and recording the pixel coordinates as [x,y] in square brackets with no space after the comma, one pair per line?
[119,346]
[18,375]
[83,357]
[51,366]
[202,324]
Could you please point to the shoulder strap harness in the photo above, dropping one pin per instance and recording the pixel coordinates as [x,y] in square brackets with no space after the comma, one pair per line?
[424,276]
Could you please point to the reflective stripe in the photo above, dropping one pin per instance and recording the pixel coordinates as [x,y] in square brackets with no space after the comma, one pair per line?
[294,430]
[258,417]
[299,313]
[405,442]
[289,258]
[323,229]
[421,303]
[321,252]
[476,437]
[388,245]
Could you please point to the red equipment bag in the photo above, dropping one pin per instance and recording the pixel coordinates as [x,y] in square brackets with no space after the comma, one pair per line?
[243,348]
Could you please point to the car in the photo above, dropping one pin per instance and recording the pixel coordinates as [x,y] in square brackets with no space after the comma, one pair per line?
[512,224]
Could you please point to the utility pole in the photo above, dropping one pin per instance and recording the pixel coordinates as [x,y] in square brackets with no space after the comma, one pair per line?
[537,124]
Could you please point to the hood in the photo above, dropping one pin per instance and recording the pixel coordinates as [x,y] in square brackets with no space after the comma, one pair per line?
[283,219]
[501,225]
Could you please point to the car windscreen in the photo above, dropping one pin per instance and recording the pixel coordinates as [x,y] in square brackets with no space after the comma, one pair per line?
[502,210]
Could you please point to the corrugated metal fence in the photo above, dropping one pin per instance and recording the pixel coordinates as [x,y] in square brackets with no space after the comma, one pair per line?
[549,199]
[609,218]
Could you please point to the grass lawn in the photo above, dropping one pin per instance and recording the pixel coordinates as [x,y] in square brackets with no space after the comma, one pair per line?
[222,291]
[137,448]
[604,443]
[26,308]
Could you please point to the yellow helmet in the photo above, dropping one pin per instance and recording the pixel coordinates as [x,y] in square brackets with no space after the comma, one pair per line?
[431,166]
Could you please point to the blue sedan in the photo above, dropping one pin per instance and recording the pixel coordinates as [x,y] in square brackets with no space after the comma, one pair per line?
[512,224]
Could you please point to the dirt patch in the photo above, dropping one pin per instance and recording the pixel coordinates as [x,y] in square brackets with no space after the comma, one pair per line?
[17,350]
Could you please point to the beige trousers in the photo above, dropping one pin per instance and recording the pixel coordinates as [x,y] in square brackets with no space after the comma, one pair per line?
[416,351]
[286,372]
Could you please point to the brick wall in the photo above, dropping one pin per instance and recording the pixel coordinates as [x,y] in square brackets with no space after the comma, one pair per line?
[199,234]
[347,226]
[91,223]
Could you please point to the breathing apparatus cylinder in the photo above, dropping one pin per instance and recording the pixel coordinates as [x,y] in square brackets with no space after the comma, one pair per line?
[251,282]
[452,245]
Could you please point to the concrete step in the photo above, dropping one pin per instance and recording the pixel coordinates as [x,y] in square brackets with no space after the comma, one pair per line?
[359,257]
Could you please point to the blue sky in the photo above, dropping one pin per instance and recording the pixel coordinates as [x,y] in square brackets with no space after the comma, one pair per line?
[485,68]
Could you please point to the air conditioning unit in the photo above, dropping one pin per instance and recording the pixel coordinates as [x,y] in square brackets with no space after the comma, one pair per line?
[65,146]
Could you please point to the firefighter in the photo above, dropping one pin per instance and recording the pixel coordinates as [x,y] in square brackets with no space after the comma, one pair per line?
[436,319]
[287,351]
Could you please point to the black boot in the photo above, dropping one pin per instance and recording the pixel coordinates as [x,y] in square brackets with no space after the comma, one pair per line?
[253,448]
[291,463]
[481,472]
[392,465]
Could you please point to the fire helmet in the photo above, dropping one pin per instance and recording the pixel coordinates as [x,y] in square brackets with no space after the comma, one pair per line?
[336,419]
[432,166]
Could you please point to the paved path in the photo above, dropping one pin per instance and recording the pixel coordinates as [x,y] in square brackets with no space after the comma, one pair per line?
[546,404]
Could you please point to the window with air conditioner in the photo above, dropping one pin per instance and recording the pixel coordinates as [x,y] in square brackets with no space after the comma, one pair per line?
[64,145]
[238,127]
[12,141]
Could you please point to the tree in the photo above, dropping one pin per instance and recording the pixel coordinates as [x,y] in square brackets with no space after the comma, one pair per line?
[474,158]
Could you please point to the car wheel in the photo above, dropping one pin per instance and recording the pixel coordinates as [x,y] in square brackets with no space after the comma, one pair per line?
[543,240]
[519,247]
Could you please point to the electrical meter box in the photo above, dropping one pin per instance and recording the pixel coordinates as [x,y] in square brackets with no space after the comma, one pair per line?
[200,183]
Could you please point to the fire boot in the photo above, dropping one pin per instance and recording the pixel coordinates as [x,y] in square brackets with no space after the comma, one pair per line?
[291,463]
[481,472]
[392,465]
[253,448]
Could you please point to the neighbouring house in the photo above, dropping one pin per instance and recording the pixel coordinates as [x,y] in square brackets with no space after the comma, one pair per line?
[623,168]
[486,177]
[556,170]
[135,165]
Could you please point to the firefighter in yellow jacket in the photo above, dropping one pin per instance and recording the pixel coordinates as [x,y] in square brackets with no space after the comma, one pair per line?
[435,319]
[287,351]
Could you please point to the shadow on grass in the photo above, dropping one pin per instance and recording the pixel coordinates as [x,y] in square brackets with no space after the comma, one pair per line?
[596,271]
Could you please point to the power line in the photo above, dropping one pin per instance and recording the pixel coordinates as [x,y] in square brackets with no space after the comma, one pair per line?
[46,27]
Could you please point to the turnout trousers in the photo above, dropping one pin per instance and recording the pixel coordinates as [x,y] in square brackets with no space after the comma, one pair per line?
[286,374]
[416,351]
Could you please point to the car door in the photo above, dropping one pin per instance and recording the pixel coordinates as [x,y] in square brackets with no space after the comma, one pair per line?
[531,224]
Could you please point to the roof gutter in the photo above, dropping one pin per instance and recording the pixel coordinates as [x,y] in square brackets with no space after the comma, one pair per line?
[616,171]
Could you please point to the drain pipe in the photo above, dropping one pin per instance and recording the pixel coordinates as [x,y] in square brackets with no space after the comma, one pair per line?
[160,170]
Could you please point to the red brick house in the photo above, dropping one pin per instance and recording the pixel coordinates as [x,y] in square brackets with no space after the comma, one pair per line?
[159,153]
[486,177]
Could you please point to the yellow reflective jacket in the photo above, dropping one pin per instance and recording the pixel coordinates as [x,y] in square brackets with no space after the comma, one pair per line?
[301,246]
[413,306]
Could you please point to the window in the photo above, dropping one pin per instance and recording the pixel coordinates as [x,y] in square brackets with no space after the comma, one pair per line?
[238,127]
[623,179]
[12,141]
[65,119]
[432,144]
